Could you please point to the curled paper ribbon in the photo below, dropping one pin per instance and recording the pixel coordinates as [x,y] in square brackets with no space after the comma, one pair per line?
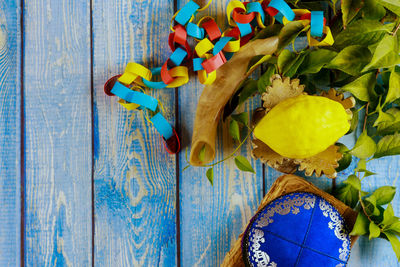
[317,23]
[213,49]
[162,126]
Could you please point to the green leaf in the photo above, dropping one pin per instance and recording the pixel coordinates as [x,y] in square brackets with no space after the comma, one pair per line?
[365,146]
[350,8]
[390,126]
[210,175]
[362,86]
[269,31]
[362,32]
[394,226]
[389,219]
[351,59]
[384,194]
[370,206]
[392,5]
[289,32]
[394,241]
[202,153]
[388,146]
[372,10]
[362,165]
[284,58]
[234,130]
[316,60]
[354,182]
[394,87]
[249,89]
[354,121]
[348,195]
[383,117]
[386,54]
[291,69]
[265,79]
[243,164]
[242,118]
[374,230]
[361,226]
[257,61]
[345,161]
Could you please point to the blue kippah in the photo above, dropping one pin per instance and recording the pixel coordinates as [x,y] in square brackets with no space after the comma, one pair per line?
[298,229]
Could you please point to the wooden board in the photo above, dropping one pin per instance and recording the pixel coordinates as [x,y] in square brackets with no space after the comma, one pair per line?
[134,177]
[58,154]
[137,185]
[10,127]
[211,217]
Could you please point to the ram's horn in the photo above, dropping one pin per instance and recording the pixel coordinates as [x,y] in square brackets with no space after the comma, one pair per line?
[215,96]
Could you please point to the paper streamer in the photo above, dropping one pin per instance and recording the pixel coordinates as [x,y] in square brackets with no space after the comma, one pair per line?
[212,50]
[162,126]
[317,23]
[283,8]
[186,12]
[131,96]
[154,85]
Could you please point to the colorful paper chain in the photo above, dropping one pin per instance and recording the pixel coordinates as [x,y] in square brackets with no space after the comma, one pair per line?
[212,50]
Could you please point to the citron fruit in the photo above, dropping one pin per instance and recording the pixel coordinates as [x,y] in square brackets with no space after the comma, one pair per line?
[303,126]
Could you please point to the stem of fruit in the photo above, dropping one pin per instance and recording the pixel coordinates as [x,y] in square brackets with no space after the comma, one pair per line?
[397,28]
[363,207]
[233,153]
[365,116]
[359,192]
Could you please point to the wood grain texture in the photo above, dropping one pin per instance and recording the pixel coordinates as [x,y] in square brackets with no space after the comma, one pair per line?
[135,216]
[57,133]
[212,217]
[10,142]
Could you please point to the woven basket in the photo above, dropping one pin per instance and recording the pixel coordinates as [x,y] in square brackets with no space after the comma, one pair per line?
[284,185]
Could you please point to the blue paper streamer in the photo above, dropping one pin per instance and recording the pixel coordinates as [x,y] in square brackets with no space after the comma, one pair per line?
[162,126]
[317,23]
[178,56]
[222,42]
[279,17]
[256,7]
[195,31]
[131,96]
[244,29]
[154,85]
[197,64]
[186,12]
[283,8]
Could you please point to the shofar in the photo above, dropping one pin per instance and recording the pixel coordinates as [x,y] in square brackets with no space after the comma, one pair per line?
[215,96]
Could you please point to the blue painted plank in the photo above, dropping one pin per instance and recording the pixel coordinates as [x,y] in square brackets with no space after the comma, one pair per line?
[212,217]
[10,144]
[134,176]
[57,133]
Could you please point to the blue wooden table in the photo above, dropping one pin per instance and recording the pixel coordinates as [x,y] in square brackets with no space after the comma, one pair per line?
[83,181]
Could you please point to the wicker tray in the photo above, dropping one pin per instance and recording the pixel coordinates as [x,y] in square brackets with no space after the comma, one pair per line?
[284,185]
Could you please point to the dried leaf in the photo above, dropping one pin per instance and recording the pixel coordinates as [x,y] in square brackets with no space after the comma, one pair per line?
[325,162]
[347,103]
[268,156]
[281,89]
